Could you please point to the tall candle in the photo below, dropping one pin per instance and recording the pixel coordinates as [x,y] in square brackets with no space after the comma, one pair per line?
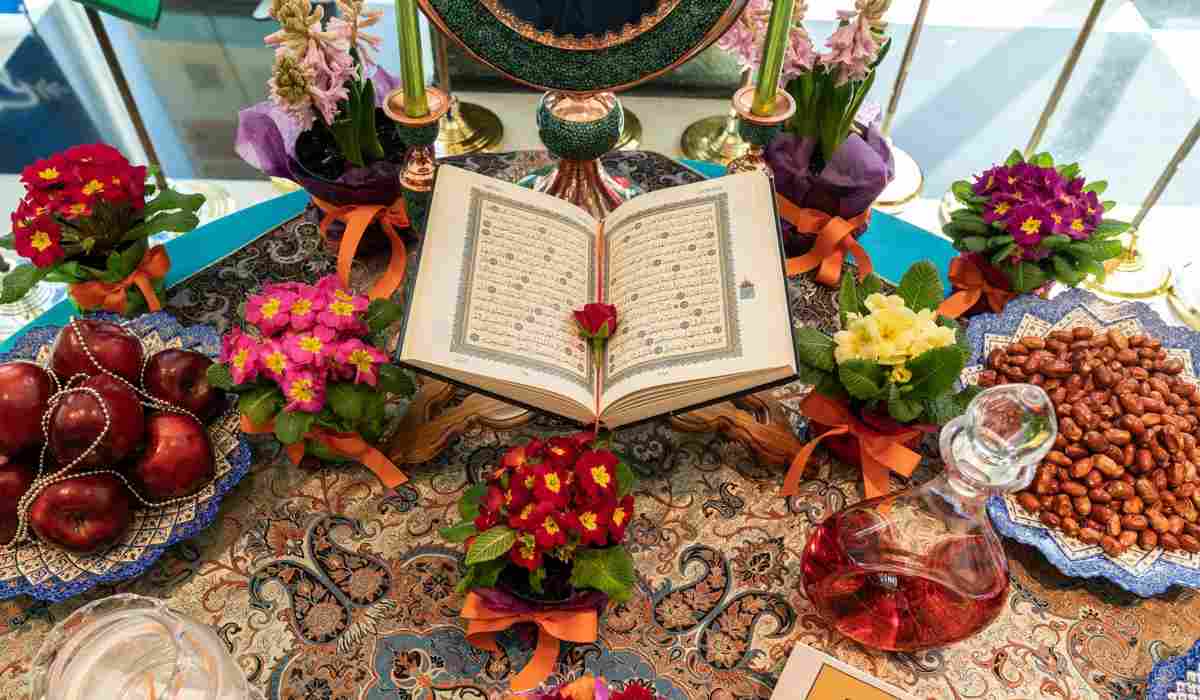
[412,73]
[778,35]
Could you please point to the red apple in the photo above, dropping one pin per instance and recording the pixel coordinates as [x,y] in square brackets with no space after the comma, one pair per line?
[83,513]
[178,460]
[116,349]
[78,419]
[179,377]
[16,476]
[25,388]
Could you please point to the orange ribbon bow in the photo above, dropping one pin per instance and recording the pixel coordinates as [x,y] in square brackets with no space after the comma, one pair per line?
[113,296]
[834,240]
[880,453]
[349,444]
[968,279]
[580,626]
[357,218]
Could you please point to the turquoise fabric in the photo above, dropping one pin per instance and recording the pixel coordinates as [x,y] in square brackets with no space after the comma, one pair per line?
[196,250]
[892,243]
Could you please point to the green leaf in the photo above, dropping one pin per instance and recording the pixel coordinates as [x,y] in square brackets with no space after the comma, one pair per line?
[458,533]
[18,282]
[1065,272]
[468,505]
[71,271]
[815,348]
[904,410]
[1043,160]
[219,376]
[935,371]
[1014,158]
[394,380]
[179,221]
[347,401]
[121,264]
[261,404]
[367,136]
[491,544]
[536,577]
[1110,227]
[998,242]
[8,242]
[848,299]
[1098,187]
[482,575]
[862,378]
[921,287]
[383,313]
[607,570]
[806,374]
[1108,204]
[1004,253]
[831,386]
[1069,172]
[944,408]
[1025,277]
[291,426]
[626,479]
[1056,241]
[871,284]
[975,244]
[962,190]
[171,200]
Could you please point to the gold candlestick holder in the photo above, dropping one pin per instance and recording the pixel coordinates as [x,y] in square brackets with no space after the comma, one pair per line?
[467,127]
[631,133]
[758,130]
[716,139]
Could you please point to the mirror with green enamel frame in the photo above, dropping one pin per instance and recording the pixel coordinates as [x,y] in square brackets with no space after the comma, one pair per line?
[581,52]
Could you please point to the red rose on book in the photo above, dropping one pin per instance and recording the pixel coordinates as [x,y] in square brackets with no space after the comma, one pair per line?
[597,320]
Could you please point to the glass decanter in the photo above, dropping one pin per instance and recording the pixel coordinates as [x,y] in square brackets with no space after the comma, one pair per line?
[923,568]
[129,647]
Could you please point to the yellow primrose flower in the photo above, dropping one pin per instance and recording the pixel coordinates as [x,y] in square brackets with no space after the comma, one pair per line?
[901,374]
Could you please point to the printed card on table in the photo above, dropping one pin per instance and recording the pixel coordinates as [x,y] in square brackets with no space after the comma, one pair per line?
[812,675]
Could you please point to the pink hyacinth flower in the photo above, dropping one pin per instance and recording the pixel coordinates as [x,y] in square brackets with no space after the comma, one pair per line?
[273,360]
[852,48]
[269,312]
[304,390]
[306,306]
[310,348]
[362,358]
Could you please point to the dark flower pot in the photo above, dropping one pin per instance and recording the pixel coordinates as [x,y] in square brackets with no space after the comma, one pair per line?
[556,588]
[846,448]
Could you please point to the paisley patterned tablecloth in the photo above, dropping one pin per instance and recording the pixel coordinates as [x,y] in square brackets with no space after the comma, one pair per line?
[324,587]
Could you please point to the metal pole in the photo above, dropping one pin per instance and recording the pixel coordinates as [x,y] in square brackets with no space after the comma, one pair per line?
[1165,178]
[905,63]
[110,57]
[1063,78]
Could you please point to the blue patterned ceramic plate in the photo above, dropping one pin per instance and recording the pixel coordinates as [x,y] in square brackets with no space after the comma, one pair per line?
[48,573]
[1177,678]
[1137,570]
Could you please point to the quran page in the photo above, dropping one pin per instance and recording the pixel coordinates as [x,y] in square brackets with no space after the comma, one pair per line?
[501,270]
[697,274]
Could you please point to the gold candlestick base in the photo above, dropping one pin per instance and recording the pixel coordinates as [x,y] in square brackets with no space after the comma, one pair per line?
[1133,275]
[714,139]
[631,135]
[905,187]
[468,128]
[420,165]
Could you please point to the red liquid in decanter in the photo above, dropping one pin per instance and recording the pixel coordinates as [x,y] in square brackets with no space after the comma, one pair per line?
[901,601]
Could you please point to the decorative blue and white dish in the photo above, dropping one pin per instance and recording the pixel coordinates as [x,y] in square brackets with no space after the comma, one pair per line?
[1144,573]
[46,572]
[1176,678]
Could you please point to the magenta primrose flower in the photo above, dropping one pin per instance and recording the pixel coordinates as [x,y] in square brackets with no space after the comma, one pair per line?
[306,306]
[1028,224]
[342,314]
[304,391]
[363,359]
[269,312]
[241,353]
[273,360]
[310,348]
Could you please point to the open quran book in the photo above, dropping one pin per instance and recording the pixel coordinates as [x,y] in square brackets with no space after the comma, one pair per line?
[696,273]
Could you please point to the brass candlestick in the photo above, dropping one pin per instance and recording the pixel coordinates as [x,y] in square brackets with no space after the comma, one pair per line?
[716,138]
[631,134]
[467,127]
[1135,275]
[908,180]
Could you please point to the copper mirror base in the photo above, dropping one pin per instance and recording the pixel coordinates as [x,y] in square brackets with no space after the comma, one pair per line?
[584,183]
